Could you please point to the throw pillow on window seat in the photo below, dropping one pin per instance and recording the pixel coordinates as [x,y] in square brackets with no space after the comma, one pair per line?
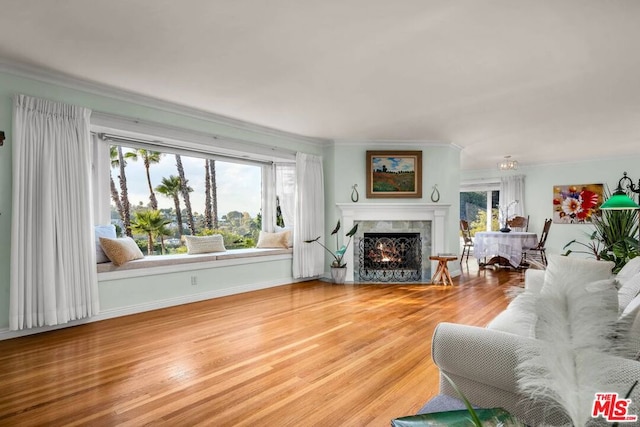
[103,231]
[273,240]
[121,250]
[204,244]
[289,233]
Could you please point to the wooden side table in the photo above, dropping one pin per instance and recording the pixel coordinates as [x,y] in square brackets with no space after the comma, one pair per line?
[442,270]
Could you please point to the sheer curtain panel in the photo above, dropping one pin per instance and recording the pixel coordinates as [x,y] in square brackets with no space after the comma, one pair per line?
[53,270]
[286,191]
[512,189]
[308,259]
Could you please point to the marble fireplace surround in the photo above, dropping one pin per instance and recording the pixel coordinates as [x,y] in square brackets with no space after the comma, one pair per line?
[351,213]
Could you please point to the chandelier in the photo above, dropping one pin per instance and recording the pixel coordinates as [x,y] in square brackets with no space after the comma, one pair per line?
[508,164]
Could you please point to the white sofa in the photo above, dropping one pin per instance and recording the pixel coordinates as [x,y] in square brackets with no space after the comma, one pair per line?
[482,362]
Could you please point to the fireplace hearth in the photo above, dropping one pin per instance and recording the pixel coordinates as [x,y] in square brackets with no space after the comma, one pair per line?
[390,257]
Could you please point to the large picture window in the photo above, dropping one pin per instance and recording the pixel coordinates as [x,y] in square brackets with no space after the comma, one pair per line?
[159,196]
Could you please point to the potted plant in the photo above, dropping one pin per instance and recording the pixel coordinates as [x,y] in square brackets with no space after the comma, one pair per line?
[612,239]
[338,267]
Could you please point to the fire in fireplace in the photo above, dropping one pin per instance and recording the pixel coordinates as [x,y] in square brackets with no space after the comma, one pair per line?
[386,257]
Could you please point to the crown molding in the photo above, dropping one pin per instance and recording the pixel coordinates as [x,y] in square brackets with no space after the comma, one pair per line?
[60,79]
[395,142]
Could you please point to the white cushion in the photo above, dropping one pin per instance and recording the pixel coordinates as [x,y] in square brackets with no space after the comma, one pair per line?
[204,244]
[109,231]
[630,323]
[630,269]
[516,318]
[568,272]
[585,310]
[629,289]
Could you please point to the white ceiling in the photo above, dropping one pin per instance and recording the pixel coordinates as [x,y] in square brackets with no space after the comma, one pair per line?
[541,80]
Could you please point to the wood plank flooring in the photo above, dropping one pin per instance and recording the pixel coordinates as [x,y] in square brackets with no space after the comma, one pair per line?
[307,354]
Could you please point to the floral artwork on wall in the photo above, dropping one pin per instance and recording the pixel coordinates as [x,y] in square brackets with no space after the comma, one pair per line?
[576,204]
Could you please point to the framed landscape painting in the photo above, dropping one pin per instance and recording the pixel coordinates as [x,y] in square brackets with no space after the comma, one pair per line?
[576,204]
[394,174]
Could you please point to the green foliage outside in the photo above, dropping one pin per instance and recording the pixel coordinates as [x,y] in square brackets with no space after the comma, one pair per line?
[238,229]
[480,222]
[231,239]
[160,231]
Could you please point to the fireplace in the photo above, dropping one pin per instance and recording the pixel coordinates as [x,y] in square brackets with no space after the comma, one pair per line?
[428,219]
[390,257]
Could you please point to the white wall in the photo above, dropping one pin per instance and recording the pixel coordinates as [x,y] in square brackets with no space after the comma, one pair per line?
[539,183]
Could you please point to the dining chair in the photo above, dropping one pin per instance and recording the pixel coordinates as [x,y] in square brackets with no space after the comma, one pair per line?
[519,223]
[539,249]
[468,241]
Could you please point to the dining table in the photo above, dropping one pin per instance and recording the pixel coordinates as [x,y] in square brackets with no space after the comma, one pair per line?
[497,247]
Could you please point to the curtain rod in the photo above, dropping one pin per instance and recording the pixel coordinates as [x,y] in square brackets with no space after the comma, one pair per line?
[187,138]
[160,145]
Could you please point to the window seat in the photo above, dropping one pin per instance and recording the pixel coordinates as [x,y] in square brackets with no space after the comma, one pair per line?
[158,264]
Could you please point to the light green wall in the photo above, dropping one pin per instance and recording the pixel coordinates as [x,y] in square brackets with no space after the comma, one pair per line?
[139,291]
[146,290]
[539,182]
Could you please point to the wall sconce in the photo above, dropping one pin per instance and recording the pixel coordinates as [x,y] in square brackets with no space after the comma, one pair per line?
[619,199]
[508,164]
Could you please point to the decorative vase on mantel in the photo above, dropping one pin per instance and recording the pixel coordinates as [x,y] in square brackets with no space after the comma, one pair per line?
[338,274]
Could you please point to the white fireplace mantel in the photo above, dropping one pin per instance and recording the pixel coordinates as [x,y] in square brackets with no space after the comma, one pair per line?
[351,213]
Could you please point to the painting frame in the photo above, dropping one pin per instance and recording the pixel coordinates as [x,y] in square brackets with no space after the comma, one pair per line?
[394,174]
[577,203]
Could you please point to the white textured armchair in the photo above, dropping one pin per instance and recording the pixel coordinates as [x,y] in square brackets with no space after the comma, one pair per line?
[483,362]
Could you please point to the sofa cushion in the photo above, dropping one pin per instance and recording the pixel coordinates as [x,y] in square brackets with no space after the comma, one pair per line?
[517,318]
[630,269]
[629,289]
[566,272]
[584,315]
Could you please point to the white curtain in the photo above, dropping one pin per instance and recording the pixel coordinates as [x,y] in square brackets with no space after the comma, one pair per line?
[268,198]
[286,191]
[308,258]
[512,195]
[53,270]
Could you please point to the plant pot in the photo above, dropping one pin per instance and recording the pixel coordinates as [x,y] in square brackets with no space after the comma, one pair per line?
[338,274]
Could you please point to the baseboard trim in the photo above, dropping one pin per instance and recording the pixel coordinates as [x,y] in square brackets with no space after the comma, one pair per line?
[6,334]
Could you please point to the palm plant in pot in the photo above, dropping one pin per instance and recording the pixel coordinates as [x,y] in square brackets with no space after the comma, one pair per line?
[338,266]
[613,238]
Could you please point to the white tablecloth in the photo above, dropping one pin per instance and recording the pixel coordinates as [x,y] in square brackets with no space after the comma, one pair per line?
[487,244]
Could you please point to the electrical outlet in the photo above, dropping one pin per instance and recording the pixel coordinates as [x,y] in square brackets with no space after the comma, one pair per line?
[194,280]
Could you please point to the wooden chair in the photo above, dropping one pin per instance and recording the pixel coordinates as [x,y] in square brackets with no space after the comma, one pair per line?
[468,241]
[519,223]
[539,249]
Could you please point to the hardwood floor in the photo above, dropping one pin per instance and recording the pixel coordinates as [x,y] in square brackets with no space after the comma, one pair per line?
[307,354]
